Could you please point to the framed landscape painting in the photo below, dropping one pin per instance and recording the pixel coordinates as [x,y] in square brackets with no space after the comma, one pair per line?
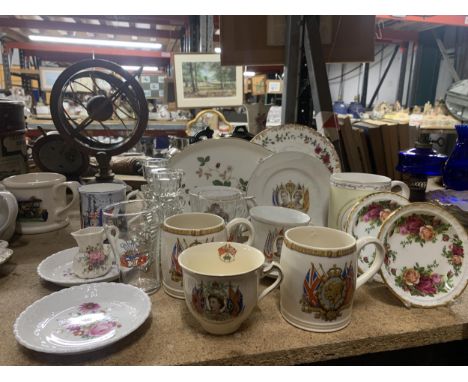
[201,81]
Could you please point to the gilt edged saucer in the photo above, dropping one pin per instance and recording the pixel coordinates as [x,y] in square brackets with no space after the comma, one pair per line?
[425,264]
[365,219]
[292,180]
[57,269]
[82,318]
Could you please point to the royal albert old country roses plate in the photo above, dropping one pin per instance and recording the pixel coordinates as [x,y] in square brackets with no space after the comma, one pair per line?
[365,219]
[425,263]
[292,180]
[57,269]
[82,318]
[302,139]
[218,162]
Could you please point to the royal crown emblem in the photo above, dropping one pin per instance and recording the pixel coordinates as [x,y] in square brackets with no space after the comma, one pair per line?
[227,253]
[291,195]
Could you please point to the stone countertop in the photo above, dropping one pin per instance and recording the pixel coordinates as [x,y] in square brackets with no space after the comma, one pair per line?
[171,336]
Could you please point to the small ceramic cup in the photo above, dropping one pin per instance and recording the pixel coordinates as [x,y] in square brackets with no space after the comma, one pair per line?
[347,187]
[182,231]
[8,213]
[270,224]
[91,260]
[221,283]
[319,268]
[41,197]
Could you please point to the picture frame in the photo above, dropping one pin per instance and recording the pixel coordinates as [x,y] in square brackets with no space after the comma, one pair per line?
[259,84]
[274,86]
[201,81]
[48,76]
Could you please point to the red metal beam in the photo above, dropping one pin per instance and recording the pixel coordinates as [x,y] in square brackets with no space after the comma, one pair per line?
[91,28]
[34,47]
[455,20]
[397,36]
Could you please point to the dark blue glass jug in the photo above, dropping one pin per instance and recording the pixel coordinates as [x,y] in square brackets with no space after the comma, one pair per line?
[456,168]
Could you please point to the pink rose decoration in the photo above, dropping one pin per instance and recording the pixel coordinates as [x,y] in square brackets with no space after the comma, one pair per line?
[426,285]
[89,307]
[436,278]
[411,276]
[426,233]
[373,213]
[384,214]
[413,224]
[457,250]
[96,257]
[457,260]
[101,328]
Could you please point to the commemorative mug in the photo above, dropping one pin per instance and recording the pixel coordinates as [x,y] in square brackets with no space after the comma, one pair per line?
[347,187]
[8,214]
[186,230]
[270,224]
[42,205]
[221,283]
[319,276]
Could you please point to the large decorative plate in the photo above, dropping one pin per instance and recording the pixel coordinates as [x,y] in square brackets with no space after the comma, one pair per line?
[292,180]
[57,269]
[302,139]
[425,263]
[366,218]
[218,162]
[82,318]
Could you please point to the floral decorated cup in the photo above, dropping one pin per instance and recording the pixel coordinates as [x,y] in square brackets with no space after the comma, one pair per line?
[221,283]
[319,267]
[91,260]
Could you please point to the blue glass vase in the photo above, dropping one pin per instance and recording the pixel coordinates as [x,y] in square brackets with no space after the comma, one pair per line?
[456,168]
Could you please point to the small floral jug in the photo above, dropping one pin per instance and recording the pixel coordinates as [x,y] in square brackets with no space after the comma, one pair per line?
[92,260]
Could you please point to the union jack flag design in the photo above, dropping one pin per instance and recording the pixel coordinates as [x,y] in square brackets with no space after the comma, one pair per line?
[311,284]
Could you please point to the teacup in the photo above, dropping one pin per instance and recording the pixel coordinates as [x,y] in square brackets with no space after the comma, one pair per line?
[182,231]
[347,187]
[221,283]
[319,269]
[41,197]
[270,224]
[8,214]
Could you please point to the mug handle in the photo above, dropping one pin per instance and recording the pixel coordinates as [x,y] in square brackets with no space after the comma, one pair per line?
[230,227]
[405,191]
[73,186]
[135,194]
[12,206]
[277,282]
[378,261]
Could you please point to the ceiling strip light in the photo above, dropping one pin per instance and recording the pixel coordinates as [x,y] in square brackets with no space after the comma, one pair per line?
[84,41]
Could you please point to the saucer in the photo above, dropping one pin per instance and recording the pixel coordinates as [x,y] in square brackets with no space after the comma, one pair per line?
[57,269]
[5,254]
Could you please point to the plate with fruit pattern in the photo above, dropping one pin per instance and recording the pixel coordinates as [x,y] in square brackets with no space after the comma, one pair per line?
[366,218]
[82,318]
[302,139]
[425,264]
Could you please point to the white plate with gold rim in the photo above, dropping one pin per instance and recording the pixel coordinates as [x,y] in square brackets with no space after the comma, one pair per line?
[366,218]
[58,269]
[218,162]
[82,318]
[302,139]
[425,264]
[292,180]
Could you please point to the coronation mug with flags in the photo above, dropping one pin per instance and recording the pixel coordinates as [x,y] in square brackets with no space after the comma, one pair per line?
[320,276]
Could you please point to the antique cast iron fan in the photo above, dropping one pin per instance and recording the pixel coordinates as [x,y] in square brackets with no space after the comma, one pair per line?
[108,98]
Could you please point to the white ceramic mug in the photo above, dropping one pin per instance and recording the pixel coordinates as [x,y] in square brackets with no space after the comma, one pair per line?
[270,224]
[8,214]
[221,283]
[182,231]
[42,205]
[347,187]
[319,268]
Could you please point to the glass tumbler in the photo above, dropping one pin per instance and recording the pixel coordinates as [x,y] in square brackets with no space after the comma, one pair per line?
[153,163]
[166,185]
[132,229]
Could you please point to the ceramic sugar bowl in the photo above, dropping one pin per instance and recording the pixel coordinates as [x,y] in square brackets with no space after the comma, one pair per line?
[93,259]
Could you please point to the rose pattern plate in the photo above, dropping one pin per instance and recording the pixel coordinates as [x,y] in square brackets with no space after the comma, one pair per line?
[300,138]
[218,162]
[82,318]
[365,219]
[425,264]
[57,269]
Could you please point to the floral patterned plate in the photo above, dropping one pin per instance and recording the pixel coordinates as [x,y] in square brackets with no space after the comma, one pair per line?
[57,269]
[366,218]
[300,138]
[424,262]
[82,318]
[218,162]
[292,180]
